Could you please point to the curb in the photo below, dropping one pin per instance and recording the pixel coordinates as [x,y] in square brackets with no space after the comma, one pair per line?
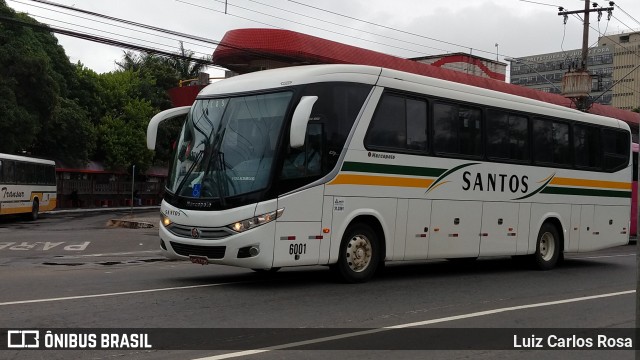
[88,210]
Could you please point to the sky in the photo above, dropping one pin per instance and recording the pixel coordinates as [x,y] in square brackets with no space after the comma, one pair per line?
[488,28]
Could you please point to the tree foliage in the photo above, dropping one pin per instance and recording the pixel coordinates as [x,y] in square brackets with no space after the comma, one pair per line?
[55,109]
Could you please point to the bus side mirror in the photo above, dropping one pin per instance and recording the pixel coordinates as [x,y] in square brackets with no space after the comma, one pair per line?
[152,128]
[299,121]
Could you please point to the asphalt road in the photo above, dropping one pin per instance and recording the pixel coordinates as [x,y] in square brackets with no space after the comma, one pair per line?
[71,271]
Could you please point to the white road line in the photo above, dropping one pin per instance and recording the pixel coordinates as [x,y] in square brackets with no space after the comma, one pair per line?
[413,324]
[20,302]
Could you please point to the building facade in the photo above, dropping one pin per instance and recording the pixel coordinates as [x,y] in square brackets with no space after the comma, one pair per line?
[612,64]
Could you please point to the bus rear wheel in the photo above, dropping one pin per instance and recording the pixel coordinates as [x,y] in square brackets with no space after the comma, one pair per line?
[35,209]
[548,248]
[359,256]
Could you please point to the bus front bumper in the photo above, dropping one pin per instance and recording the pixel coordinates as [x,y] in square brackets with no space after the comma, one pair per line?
[250,249]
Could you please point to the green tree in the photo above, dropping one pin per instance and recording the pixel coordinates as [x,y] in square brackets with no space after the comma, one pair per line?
[186,65]
[35,81]
[69,135]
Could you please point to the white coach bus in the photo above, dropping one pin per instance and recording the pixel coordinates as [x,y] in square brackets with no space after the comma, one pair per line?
[27,185]
[353,166]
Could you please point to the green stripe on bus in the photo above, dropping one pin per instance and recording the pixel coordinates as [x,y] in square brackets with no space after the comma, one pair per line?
[585,192]
[391,169]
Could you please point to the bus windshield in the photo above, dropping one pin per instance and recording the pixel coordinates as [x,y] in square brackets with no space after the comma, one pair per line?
[227,146]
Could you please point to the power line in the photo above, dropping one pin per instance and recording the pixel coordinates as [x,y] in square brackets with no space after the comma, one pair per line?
[394,29]
[106,23]
[345,26]
[626,13]
[539,3]
[104,40]
[265,55]
[620,21]
[112,33]
[298,23]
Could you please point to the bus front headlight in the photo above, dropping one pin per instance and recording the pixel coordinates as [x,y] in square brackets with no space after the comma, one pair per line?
[164,219]
[255,221]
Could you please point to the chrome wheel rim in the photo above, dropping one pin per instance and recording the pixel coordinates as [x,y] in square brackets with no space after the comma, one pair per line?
[359,252]
[547,246]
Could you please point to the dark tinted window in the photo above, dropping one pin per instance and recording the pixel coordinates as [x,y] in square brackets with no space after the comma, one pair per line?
[457,129]
[616,149]
[587,146]
[337,107]
[8,172]
[399,124]
[551,142]
[330,123]
[507,136]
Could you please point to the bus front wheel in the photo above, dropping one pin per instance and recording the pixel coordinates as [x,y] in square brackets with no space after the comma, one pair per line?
[548,248]
[359,255]
[35,208]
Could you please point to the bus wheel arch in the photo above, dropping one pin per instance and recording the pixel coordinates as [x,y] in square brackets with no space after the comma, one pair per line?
[549,249]
[363,241]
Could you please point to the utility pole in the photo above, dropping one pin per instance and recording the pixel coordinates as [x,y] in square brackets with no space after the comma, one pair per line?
[577,84]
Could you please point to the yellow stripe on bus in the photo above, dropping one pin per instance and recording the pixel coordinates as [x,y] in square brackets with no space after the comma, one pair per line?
[591,183]
[380,181]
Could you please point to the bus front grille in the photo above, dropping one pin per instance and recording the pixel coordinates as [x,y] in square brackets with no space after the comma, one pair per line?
[203,232]
[211,252]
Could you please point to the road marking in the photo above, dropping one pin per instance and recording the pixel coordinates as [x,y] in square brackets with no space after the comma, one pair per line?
[413,324]
[20,302]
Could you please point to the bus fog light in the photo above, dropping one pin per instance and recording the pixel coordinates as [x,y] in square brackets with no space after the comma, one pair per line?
[254,251]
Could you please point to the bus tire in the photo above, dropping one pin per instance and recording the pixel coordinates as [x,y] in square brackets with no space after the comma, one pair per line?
[359,255]
[548,248]
[35,209]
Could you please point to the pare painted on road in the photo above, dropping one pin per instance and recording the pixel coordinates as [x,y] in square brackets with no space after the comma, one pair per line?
[43,246]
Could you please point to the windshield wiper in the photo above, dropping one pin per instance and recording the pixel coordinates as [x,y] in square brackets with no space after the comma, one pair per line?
[216,157]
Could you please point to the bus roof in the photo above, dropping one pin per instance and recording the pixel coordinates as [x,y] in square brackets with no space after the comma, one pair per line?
[26,159]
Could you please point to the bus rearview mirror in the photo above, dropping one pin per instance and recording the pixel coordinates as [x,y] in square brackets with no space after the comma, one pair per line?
[152,128]
[299,121]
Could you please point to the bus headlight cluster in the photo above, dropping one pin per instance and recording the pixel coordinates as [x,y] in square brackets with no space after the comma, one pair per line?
[164,219]
[255,221]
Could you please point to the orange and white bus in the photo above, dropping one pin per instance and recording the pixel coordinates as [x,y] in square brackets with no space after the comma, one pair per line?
[27,185]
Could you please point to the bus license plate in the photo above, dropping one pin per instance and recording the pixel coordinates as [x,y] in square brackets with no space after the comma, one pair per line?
[202,260]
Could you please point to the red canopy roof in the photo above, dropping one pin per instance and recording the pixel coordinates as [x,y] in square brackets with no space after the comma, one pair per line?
[241,47]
